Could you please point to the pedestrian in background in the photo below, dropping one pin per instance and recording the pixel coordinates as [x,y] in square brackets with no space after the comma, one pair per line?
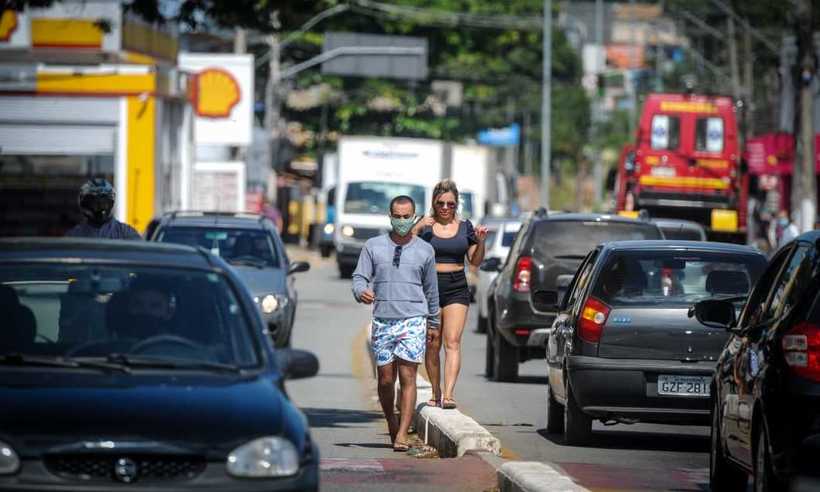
[786,229]
[454,241]
[396,273]
[96,201]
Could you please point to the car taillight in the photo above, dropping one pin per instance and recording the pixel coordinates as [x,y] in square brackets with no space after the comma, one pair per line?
[523,274]
[801,348]
[593,318]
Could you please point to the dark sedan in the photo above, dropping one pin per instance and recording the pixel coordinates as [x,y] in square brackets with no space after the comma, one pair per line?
[623,350]
[134,365]
[766,390]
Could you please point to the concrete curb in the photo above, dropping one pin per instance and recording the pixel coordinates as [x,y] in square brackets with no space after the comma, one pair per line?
[531,476]
[452,433]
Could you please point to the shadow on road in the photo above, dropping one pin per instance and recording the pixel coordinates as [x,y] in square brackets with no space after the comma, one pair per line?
[339,418]
[632,440]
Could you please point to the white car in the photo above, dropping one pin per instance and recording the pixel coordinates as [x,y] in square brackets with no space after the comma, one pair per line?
[500,235]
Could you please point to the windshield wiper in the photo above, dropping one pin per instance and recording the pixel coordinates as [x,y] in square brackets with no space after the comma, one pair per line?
[570,257]
[161,362]
[18,359]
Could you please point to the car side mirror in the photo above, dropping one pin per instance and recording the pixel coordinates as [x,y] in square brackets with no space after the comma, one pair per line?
[491,265]
[714,314]
[545,300]
[298,266]
[296,364]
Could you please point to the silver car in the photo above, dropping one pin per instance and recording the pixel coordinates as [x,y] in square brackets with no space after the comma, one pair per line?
[500,235]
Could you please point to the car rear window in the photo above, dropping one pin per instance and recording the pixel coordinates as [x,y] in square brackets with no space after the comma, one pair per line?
[508,238]
[681,233]
[675,277]
[576,238]
[236,246]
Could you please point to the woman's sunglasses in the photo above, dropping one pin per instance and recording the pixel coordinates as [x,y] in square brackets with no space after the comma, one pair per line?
[443,204]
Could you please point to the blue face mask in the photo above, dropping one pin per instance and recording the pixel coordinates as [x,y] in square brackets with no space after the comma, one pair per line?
[402,227]
[783,222]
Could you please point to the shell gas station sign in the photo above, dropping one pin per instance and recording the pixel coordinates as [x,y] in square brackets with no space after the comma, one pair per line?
[222,97]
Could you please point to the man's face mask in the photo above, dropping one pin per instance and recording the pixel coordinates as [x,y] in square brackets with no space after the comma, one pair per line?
[401,226]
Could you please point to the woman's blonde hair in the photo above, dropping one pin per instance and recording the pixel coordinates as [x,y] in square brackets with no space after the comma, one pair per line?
[442,187]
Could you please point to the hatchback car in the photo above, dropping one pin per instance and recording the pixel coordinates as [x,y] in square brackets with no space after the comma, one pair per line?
[545,254]
[500,235]
[138,365]
[766,389]
[252,246]
[623,348]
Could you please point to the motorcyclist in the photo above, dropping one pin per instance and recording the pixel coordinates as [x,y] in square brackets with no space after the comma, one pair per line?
[96,200]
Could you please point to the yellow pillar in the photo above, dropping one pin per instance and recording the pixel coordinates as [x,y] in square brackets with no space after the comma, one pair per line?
[141,143]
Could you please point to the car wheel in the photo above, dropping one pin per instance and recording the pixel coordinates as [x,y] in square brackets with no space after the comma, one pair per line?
[481,326]
[577,424]
[555,413]
[489,356]
[325,251]
[505,359]
[722,474]
[764,478]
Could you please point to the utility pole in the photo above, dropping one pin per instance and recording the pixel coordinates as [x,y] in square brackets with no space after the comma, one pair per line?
[804,189]
[749,83]
[733,64]
[546,105]
[272,104]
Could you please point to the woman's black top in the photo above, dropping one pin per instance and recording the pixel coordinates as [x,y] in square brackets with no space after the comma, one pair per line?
[451,249]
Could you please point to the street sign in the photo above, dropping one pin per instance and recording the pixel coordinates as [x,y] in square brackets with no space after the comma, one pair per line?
[500,137]
[398,66]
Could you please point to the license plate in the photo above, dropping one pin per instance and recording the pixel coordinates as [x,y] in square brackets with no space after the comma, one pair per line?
[666,172]
[683,386]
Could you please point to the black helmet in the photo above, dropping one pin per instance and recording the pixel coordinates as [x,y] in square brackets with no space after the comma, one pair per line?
[96,200]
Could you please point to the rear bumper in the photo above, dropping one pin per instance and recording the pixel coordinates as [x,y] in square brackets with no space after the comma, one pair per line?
[628,389]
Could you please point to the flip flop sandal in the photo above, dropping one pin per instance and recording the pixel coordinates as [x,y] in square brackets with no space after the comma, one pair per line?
[401,447]
[433,403]
[449,404]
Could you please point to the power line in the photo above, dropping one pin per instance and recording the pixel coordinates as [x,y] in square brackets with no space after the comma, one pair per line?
[442,17]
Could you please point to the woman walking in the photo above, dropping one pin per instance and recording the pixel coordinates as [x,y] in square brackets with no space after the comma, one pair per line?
[454,241]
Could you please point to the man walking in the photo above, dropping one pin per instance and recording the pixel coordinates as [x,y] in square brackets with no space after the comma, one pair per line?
[397,274]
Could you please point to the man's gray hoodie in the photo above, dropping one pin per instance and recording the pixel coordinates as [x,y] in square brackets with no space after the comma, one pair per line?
[406,291]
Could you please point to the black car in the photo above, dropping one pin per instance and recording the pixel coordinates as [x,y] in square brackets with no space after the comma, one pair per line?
[252,246]
[766,389]
[132,365]
[545,254]
[623,348]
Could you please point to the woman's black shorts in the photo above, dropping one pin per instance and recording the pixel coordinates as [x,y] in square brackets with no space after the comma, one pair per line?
[452,288]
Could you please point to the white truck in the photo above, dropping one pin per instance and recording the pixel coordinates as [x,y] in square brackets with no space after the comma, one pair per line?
[371,171]
[469,168]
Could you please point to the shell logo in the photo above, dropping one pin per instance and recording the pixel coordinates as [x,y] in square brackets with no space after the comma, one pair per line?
[8,24]
[216,92]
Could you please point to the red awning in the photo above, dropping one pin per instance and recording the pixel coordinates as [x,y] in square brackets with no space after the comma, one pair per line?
[773,153]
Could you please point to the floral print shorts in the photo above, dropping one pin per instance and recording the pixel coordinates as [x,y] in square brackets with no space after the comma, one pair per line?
[403,338]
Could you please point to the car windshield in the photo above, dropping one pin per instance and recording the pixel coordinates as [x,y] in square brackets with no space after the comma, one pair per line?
[576,238]
[675,277]
[373,197]
[681,233]
[102,311]
[237,246]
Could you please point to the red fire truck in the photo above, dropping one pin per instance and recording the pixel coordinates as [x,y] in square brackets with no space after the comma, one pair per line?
[685,164]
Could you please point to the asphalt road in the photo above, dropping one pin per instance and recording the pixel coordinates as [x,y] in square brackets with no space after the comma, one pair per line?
[341,403]
[342,408]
